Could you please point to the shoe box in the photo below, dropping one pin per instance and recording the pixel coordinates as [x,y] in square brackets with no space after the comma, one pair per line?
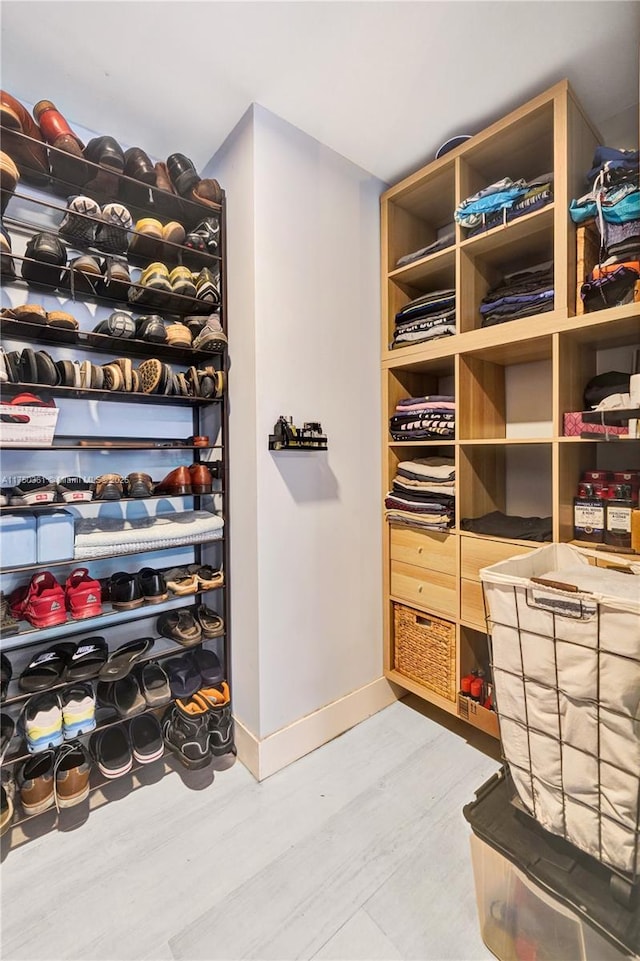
[54,536]
[38,539]
[537,895]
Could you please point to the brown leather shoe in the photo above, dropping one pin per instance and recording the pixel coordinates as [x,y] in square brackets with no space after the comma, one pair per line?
[163,180]
[68,166]
[73,771]
[200,479]
[208,192]
[178,481]
[31,158]
[36,783]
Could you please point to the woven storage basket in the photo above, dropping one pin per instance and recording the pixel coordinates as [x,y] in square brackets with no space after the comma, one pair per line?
[425,650]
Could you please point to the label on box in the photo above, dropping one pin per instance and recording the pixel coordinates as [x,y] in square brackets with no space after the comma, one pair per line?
[588,519]
[619,519]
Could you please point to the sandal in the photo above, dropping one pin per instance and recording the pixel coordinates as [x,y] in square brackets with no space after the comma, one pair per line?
[47,668]
[207,577]
[88,659]
[208,665]
[181,581]
[184,676]
[211,623]
[180,626]
[120,662]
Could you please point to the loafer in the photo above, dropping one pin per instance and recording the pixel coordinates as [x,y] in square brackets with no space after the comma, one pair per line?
[151,328]
[37,784]
[182,173]
[153,585]
[180,626]
[201,481]
[146,739]
[117,324]
[105,151]
[112,751]
[138,165]
[67,164]
[125,592]
[72,775]
[47,260]
[139,484]
[111,235]
[177,482]
[109,487]
[80,222]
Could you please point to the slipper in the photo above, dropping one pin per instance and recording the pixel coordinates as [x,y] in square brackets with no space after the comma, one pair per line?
[154,684]
[123,695]
[180,626]
[46,668]
[120,662]
[181,581]
[206,575]
[208,665]
[87,660]
[211,623]
[184,677]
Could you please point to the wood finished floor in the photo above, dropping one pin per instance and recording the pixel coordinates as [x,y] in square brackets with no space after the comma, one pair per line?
[358,852]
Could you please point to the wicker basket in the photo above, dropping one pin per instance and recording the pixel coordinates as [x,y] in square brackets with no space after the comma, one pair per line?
[425,650]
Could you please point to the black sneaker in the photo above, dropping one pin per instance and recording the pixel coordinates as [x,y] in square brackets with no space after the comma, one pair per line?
[73,489]
[219,718]
[205,237]
[47,260]
[33,490]
[187,734]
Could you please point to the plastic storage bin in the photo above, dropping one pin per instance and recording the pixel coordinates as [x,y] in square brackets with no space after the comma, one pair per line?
[55,533]
[18,535]
[538,896]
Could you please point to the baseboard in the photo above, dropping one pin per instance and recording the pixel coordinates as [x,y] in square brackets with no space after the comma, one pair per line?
[265,757]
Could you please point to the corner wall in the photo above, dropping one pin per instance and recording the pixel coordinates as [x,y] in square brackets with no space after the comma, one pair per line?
[303,239]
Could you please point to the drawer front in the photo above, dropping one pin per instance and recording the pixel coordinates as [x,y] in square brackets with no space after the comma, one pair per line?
[477,553]
[472,604]
[433,551]
[430,590]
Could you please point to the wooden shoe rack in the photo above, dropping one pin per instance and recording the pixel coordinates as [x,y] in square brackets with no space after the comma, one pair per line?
[144,430]
[512,382]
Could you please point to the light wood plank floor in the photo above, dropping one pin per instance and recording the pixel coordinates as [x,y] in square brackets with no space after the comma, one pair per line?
[357,852]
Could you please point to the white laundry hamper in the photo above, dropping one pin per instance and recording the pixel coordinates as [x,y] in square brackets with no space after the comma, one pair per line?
[565,653]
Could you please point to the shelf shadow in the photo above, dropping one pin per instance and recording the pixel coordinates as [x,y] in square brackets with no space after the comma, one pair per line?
[307,475]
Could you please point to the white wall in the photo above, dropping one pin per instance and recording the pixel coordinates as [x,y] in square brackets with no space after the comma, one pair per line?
[310,626]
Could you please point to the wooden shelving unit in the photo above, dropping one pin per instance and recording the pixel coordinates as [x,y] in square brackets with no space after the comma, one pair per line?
[510,453]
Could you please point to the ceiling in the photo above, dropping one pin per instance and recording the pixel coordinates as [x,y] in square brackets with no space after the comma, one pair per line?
[383,83]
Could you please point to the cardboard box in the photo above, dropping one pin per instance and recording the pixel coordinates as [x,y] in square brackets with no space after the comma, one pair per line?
[574,426]
[478,716]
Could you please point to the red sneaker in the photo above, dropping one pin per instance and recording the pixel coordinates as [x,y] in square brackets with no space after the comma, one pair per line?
[83,594]
[45,602]
[18,600]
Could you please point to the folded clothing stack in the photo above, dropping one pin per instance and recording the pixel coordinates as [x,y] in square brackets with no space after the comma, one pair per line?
[427,317]
[424,418]
[519,295]
[104,536]
[423,494]
[498,524]
[446,239]
[537,193]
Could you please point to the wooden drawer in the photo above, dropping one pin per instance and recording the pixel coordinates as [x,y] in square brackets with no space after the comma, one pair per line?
[472,604]
[433,551]
[477,552]
[430,590]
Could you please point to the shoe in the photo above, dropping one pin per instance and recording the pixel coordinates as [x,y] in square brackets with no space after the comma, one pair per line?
[220,718]
[6,809]
[79,224]
[180,626]
[154,684]
[105,151]
[42,723]
[60,318]
[46,263]
[139,485]
[29,313]
[211,336]
[173,233]
[176,483]
[183,174]
[181,581]
[74,490]
[116,279]
[109,487]
[47,668]
[7,730]
[69,374]
[117,324]
[211,623]
[6,672]
[84,275]
[153,286]
[177,334]
[33,490]
[205,238]
[208,192]
[138,166]
[78,711]
[111,235]
[82,593]
[181,280]
[186,734]
[72,768]
[124,695]
[201,482]
[207,577]
[30,157]
[208,666]
[126,369]
[183,675]
[208,287]
[8,625]
[67,164]
[45,602]
[7,266]
[9,177]
[146,739]
[153,585]
[146,242]
[151,376]
[112,751]
[121,661]
[163,180]
[151,328]
[37,784]
[125,591]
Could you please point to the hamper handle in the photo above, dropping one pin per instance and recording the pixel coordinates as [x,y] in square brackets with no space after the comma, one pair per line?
[557,585]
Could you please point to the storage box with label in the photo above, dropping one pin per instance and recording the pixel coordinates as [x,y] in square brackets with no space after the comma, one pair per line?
[28,421]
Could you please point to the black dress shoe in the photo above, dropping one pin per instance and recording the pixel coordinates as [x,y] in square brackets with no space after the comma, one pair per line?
[124,591]
[138,165]
[105,151]
[47,260]
[117,324]
[151,328]
[153,585]
[184,175]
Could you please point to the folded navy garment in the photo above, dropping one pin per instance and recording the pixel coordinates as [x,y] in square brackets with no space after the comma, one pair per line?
[432,318]
[532,201]
[511,526]
[427,399]
[613,158]
[528,310]
[432,303]
[614,288]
